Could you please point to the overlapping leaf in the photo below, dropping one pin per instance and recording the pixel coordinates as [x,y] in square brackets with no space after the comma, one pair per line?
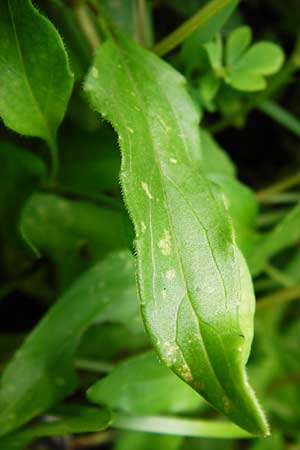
[196,293]
[42,371]
[35,79]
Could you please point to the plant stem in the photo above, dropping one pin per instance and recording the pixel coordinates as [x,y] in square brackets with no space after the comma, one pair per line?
[280,115]
[180,426]
[87,26]
[279,297]
[187,28]
[93,366]
[265,194]
[278,276]
[283,198]
[140,26]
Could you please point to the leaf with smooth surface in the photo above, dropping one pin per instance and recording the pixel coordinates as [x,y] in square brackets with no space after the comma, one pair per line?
[196,292]
[35,78]
[243,80]
[263,58]
[41,372]
[237,43]
[143,385]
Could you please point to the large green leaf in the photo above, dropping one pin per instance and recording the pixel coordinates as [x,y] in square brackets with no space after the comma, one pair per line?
[196,292]
[42,372]
[35,79]
[142,385]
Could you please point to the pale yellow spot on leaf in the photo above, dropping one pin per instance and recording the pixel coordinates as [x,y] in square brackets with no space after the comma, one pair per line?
[145,188]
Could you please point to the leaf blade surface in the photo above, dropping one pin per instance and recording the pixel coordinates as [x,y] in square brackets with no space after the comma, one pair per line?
[190,270]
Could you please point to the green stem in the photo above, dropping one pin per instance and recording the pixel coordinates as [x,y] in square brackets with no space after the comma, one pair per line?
[187,28]
[52,143]
[180,426]
[287,183]
[87,25]
[281,116]
[279,297]
[278,276]
[93,366]
[140,26]
[283,198]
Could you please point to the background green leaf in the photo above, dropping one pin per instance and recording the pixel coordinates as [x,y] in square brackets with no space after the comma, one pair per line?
[143,385]
[35,78]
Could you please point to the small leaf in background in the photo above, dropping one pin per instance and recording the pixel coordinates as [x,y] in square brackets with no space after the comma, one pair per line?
[214,51]
[143,385]
[45,360]
[23,172]
[247,66]
[73,234]
[190,281]
[237,43]
[35,78]
[62,421]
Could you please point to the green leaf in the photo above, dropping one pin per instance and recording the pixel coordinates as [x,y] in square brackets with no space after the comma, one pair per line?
[237,43]
[190,270]
[132,18]
[77,46]
[240,200]
[274,442]
[214,159]
[243,80]
[41,372]
[74,234]
[35,78]
[284,235]
[214,52]
[66,420]
[263,58]
[136,440]
[23,172]
[201,27]
[142,385]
